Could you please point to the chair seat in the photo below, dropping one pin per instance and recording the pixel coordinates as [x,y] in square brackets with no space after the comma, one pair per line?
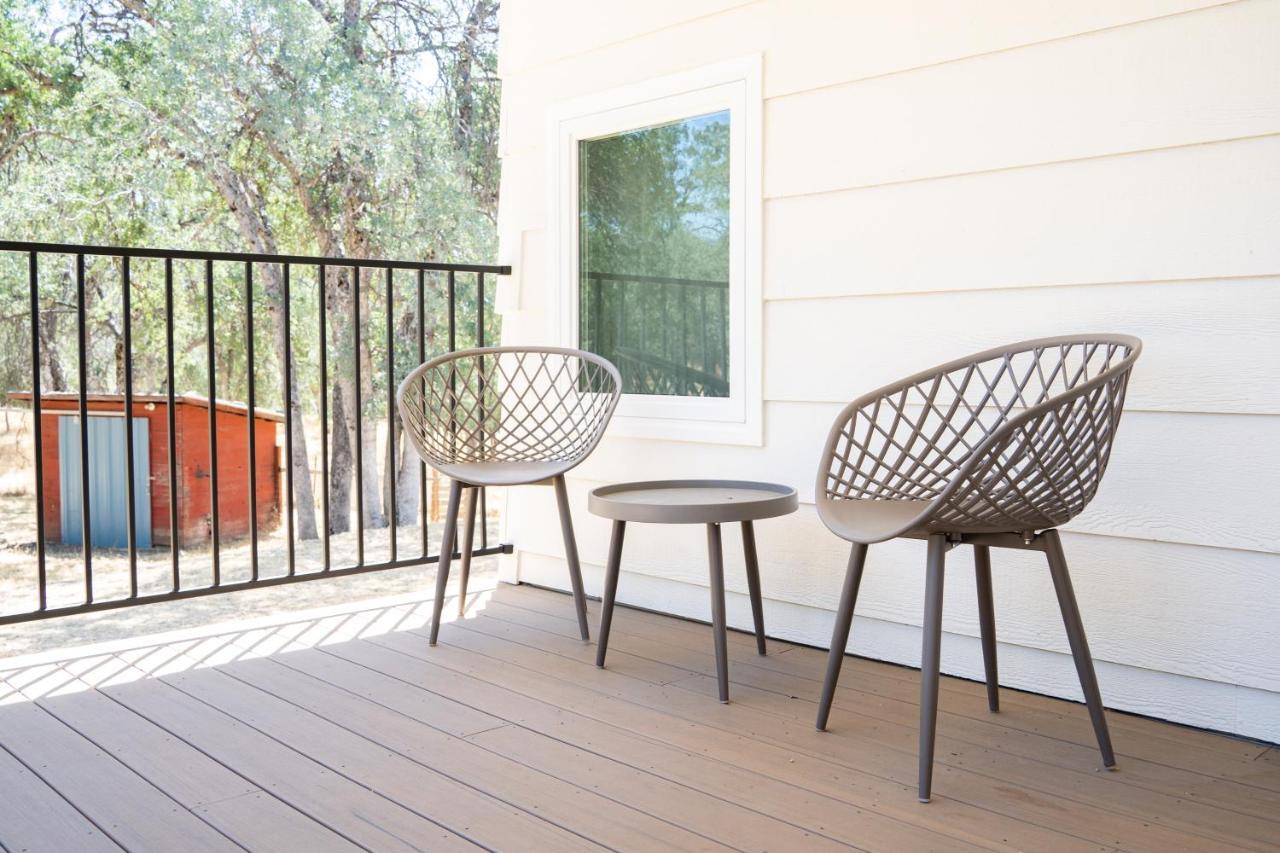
[503,473]
[868,521]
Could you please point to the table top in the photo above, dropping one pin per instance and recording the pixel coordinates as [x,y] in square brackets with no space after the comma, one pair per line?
[692,501]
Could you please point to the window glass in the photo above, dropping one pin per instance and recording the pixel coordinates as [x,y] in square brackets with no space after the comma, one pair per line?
[654,255]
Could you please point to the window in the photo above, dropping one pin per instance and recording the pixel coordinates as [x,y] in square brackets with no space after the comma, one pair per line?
[656,264]
[653,255]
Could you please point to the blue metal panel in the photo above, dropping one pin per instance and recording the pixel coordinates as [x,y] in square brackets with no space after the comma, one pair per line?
[108,487]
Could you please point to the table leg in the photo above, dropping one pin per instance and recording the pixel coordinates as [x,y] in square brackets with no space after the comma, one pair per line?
[611,571]
[715,551]
[753,582]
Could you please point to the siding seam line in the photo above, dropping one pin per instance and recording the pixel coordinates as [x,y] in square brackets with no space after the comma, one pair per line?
[1260,277]
[1018,166]
[1009,49]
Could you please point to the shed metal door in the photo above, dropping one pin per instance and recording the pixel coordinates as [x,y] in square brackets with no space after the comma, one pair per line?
[108,488]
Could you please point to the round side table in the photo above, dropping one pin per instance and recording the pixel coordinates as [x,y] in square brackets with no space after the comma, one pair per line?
[709,502]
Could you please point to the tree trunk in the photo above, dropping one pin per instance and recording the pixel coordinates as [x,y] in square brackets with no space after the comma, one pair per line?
[403,500]
[303,499]
[407,482]
[342,461]
[340,473]
[344,410]
[57,378]
[373,516]
[246,203]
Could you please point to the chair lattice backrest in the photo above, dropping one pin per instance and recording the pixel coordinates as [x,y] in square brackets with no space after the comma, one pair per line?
[508,404]
[1010,439]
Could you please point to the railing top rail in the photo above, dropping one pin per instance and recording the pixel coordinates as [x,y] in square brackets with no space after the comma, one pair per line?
[655,279]
[243,257]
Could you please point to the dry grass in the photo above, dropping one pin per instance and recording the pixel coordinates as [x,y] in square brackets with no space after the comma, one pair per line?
[17,459]
[111,576]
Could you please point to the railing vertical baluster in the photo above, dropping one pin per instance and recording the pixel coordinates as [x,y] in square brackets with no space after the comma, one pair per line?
[453,313]
[422,357]
[597,334]
[664,291]
[702,327]
[453,373]
[479,309]
[131,521]
[172,423]
[288,420]
[324,416]
[215,541]
[684,341]
[392,505]
[37,424]
[724,333]
[480,493]
[641,298]
[86,527]
[252,419]
[359,448]
[92,452]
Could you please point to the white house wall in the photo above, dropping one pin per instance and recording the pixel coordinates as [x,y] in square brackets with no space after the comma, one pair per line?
[941,177]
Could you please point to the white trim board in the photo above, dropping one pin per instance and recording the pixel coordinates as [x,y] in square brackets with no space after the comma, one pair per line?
[733,85]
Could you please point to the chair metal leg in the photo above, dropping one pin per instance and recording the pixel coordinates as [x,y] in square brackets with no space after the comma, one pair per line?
[468,537]
[446,557]
[715,552]
[571,556]
[840,633]
[930,660]
[753,582]
[612,569]
[987,622]
[1079,643]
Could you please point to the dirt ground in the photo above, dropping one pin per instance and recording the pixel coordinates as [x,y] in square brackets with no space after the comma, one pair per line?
[66,579]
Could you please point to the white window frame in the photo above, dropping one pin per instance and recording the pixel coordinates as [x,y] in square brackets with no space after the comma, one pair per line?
[735,86]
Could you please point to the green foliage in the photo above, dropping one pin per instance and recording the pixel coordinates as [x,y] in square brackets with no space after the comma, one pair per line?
[656,201]
[654,204]
[144,119]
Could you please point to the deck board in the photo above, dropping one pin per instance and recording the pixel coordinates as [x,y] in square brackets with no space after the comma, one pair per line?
[225,800]
[35,816]
[131,810]
[1195,802]
[350,731]
[881,751]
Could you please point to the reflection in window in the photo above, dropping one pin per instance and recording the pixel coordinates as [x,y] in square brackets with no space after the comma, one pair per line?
[654,255]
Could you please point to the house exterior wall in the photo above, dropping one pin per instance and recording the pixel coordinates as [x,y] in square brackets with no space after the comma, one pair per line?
[192,445]
[939,178]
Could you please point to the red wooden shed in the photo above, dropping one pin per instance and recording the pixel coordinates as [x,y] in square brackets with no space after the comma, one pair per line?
[60,439]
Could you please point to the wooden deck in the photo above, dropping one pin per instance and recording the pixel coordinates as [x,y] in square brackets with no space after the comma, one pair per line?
[350,732]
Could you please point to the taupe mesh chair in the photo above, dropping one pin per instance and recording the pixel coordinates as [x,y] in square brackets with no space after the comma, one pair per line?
[996,449]
[506,416]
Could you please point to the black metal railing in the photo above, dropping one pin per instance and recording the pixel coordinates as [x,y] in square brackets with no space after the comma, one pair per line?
[667,335]
[199,271]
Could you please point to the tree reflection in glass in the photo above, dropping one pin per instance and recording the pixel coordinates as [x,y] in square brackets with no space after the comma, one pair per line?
[654,255]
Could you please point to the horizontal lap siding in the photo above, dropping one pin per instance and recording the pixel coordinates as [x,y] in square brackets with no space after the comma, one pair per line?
[1208,211]
[943,177]
[1176,81]
[1209,346]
